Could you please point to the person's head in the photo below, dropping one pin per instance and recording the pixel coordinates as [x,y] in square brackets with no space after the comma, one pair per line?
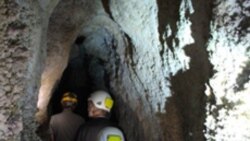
[69,100]
[100,104]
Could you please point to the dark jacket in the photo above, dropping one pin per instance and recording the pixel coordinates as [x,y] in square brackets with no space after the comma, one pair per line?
[64,125]
[90,130]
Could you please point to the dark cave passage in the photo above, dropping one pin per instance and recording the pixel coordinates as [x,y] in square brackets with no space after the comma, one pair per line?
[83,91]
[84,74]
[65,86]
[74,79]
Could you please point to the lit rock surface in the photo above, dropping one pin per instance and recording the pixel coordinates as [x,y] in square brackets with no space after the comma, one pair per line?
[179,70]
[228,116]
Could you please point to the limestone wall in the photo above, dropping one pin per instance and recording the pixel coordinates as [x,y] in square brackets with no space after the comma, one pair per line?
[177,69]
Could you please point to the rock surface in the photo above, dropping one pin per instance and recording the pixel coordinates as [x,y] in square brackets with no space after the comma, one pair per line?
[178,70]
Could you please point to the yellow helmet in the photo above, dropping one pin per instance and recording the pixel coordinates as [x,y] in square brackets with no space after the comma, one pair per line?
[69,97]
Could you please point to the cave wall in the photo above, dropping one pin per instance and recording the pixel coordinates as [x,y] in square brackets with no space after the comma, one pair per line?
[228,89]
[165,60]
[177,69]
[23,33]
[197,55]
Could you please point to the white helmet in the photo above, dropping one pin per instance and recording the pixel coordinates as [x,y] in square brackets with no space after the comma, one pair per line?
[101,100]
[110,134]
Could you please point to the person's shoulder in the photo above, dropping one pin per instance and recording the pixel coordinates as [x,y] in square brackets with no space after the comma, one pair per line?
[80,118]
[100,121]
[76,115]
[55,116]
[81,126]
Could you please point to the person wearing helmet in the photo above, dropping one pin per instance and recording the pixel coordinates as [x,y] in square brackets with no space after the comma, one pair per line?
[64,125]
[99,127]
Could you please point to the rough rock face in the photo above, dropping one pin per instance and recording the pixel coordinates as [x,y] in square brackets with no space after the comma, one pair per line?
[178,70]
[228,109]
[23,30]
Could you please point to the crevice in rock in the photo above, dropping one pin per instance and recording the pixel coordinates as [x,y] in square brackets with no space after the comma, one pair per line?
[243,78]
[129,51]
[188,87]
[166,9]
[105,4]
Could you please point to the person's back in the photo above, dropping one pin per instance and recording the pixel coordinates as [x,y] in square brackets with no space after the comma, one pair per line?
[64,125]
[90,129]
